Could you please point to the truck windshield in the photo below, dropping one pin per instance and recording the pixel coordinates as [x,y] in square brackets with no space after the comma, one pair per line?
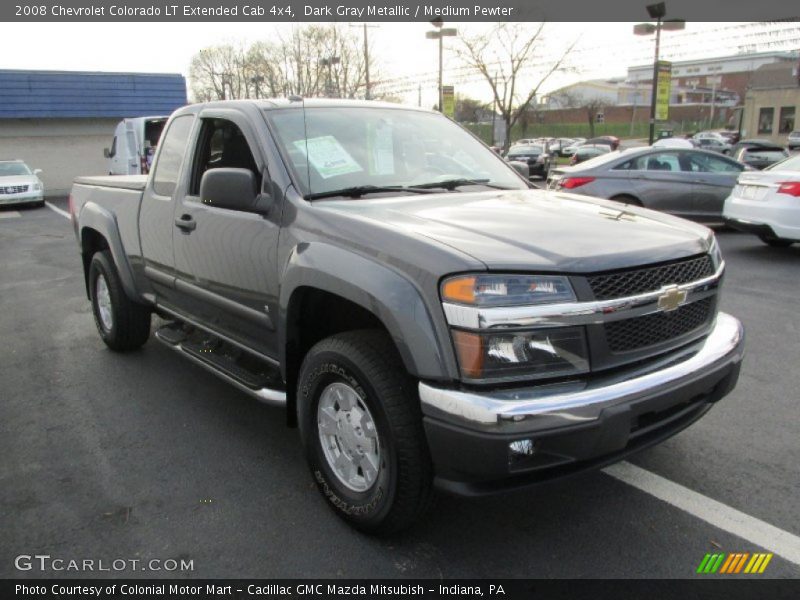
[341,148]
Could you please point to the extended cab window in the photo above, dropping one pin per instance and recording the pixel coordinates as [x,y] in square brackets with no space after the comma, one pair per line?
[221,144]
[169,162]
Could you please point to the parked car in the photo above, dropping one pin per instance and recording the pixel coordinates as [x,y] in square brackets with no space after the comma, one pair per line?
[750,143]
[761,156]
[689,183]
[711,135]
[134,145]
[557,146]
[585,152]
[607,140]
[674,142]
[714,145]
[570,150]
[731,136]
[536,157]
[793,141]
[418,326]
[20,185]
[767,203]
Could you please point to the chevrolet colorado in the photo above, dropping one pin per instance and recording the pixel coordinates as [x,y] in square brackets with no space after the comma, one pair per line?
[423,316]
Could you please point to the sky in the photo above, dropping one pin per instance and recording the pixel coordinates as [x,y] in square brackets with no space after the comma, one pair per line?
[400,49]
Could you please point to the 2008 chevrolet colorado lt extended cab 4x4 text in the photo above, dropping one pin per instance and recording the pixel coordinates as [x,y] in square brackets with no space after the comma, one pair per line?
[422,314]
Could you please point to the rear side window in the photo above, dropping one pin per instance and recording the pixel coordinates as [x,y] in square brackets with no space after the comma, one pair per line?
[173,149]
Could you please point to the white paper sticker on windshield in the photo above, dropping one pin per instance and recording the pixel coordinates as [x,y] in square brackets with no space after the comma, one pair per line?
[328,156]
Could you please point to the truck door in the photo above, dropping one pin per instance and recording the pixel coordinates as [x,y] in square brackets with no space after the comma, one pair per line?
[226,259]
[156,220]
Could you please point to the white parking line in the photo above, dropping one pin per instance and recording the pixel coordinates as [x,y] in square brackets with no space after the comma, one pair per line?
[63,213]
[9,214]
[784,544]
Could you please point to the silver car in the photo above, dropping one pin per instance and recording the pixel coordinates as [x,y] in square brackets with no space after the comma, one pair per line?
[689,183]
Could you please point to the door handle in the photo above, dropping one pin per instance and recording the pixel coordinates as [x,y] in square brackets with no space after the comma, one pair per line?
[186,223]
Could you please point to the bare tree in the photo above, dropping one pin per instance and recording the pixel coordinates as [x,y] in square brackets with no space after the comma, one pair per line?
[590,105]
[313,60]
[500,55]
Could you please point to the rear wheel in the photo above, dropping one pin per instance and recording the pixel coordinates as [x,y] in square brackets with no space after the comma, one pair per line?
[123,325]
[362,430]
[775,242]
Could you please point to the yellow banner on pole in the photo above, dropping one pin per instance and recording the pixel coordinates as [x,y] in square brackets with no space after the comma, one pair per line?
[449,101]
[663,82]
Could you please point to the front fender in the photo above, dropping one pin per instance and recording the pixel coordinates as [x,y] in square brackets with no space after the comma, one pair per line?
[384,292]
[93,216]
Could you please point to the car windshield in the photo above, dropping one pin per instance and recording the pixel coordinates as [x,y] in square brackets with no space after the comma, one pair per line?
[9,169]
[765,154]
[340,148]
[790,164]
[524,150]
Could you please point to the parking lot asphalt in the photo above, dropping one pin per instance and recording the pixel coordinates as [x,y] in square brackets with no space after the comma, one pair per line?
[144,455]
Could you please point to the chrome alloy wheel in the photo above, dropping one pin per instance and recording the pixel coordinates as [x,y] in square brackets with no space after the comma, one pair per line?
[348,437]
[103,297]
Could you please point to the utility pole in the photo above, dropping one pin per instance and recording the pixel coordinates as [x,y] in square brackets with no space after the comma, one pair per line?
[494,107]
[367,86]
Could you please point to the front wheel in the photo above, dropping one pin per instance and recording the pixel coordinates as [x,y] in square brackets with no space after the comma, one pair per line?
[122,324]
[361,426]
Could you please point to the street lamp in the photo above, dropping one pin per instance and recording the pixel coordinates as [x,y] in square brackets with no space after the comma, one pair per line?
[656,11]
[329,62]
[439,34]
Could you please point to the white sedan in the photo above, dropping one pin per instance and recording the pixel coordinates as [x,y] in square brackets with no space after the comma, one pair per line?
[767,203]
[20,185]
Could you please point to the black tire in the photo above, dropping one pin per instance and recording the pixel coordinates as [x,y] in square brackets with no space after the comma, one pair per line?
[625,199]
[775,242]
[130,322]
[369,364]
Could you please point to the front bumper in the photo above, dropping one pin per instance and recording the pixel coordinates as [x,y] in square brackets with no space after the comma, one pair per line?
[26,198]
[561,429]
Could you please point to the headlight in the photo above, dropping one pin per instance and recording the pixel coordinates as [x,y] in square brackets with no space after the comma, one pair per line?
[507,290]
[37,187]
[506,356]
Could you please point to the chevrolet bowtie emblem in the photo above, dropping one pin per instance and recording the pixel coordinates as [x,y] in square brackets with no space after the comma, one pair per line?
[671,299]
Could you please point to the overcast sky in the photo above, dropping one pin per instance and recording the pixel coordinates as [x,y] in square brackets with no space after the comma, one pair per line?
[400,49]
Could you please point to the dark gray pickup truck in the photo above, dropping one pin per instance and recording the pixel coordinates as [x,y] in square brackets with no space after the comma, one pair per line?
[423,316]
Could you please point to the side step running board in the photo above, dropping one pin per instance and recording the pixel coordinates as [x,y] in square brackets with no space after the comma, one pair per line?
[222,367]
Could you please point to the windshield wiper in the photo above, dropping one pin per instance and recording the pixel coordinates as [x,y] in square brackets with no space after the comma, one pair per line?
[360,190]
[451,184]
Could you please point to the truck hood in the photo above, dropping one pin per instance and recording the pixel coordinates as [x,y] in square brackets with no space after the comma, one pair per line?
[536,229]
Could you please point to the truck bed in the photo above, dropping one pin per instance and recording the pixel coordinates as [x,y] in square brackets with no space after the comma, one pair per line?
[126,182]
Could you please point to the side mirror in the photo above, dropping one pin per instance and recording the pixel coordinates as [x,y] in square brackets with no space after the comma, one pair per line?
[37,172]
[234,189]
[107,153]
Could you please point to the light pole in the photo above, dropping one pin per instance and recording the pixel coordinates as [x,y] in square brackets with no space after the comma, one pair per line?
[439,34]
[657,12]
[329,62]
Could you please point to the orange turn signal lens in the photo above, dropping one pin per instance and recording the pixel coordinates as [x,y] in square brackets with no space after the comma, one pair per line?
[459,289]
[469,348]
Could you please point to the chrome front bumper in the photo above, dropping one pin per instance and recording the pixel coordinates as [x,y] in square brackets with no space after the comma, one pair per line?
[546,407]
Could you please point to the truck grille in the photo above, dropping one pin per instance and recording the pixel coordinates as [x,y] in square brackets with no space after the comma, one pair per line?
[656,328]
[13,189]
[639,281]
